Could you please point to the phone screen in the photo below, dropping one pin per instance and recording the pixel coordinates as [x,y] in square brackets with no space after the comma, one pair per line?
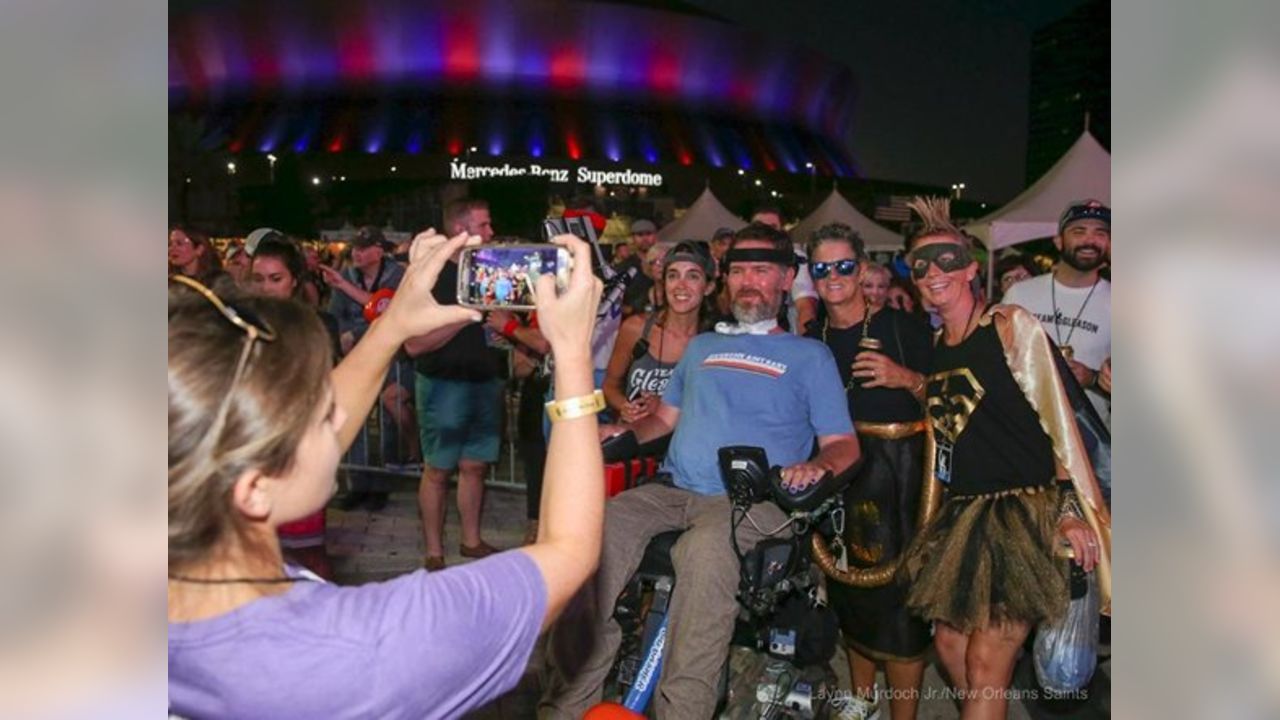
[503,276]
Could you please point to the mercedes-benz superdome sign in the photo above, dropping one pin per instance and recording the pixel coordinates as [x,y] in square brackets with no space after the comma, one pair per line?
[464,170]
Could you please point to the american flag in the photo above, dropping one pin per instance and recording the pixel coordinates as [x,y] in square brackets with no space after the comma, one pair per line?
[893,208]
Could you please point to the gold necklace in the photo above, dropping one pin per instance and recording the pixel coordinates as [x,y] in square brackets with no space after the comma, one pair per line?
[866,342]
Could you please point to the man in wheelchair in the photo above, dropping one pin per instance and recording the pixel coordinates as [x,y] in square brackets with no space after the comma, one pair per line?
[749,383]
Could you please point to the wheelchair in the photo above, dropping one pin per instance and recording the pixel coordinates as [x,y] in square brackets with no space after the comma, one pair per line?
[785,636]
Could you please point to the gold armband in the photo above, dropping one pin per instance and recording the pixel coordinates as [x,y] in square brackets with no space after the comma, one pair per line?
[575,407]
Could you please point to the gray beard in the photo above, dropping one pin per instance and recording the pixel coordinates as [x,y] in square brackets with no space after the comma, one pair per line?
[755,314]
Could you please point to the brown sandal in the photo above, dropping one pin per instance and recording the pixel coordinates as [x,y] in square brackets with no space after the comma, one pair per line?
[484,549]
[433,563]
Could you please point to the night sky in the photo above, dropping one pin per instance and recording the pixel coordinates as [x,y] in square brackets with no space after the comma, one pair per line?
[942,85]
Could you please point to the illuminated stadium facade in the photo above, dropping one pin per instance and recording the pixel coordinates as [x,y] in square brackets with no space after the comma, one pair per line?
[546,94]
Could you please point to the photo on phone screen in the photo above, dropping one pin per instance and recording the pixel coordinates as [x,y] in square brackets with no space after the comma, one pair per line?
[503,276]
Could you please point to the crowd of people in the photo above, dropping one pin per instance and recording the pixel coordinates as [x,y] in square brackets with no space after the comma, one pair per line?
[972,490]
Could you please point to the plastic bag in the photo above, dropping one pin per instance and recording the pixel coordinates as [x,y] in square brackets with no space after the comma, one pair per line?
[1066,652]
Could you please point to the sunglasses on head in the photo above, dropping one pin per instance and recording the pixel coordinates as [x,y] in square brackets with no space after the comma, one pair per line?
[820,270]
[255,329]
[949,257]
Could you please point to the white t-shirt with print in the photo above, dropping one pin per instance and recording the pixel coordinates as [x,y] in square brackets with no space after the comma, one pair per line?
[1079,319]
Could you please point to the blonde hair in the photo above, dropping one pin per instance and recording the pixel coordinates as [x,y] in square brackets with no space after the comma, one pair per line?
[878,269]
[268,411]
[935,220]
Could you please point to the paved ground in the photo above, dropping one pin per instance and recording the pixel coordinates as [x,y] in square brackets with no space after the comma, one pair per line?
[367,547]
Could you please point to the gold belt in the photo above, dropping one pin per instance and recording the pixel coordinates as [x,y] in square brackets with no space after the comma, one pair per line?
[890,431]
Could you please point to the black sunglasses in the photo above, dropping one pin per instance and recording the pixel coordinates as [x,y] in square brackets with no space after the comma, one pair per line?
[820,270]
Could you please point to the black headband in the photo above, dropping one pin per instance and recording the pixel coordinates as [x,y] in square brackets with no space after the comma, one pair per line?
[785,258]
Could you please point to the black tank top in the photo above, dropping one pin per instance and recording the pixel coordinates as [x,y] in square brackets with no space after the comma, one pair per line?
[903,339]
[647,375]
[977,406]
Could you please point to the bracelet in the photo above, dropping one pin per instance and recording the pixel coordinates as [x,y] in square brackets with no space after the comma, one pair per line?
[1068,501]
[509,329]
[575,407]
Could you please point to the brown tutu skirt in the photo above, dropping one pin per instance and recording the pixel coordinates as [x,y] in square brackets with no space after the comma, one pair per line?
[988,559]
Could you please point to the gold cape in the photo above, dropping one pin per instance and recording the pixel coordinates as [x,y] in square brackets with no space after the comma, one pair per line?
[1030,358]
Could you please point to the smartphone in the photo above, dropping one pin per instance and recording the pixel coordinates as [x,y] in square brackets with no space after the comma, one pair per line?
[502,276]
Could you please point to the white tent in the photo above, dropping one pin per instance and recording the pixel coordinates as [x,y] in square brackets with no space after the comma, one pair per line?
[836,209]
[1084,172]
[701,220]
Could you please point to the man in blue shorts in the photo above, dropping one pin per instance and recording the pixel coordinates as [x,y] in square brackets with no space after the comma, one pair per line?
[748,383]
[459,402]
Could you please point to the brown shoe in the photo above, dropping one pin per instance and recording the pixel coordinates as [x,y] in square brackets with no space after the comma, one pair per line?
[484,549]
[433,563]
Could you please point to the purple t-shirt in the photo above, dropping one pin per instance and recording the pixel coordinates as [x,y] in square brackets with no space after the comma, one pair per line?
[418,646]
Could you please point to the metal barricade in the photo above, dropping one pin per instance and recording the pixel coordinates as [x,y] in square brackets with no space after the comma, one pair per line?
[387,446]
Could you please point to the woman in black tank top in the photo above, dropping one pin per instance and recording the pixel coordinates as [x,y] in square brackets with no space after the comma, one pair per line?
[988,566]
[650,345]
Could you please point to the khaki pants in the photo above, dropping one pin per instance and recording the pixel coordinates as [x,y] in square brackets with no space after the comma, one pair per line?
[585,639]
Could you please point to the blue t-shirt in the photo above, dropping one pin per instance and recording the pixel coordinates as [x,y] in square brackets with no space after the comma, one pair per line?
[502,288]
[418,646]
[772,391]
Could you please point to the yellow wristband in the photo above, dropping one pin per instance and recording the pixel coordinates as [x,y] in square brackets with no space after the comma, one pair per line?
[574,407]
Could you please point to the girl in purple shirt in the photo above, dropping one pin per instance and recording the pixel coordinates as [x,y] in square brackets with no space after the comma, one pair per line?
[258,419]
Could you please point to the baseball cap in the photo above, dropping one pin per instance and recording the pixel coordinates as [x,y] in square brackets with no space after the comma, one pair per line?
[643,226]
[693,251]
[252,239]
[368,236]
[1084,210]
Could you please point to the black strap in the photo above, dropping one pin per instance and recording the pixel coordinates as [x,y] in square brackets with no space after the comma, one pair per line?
[642,345]
[897,338]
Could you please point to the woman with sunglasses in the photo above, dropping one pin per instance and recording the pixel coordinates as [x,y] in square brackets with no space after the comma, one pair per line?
[882,355]
[1017,481]
[649,346]
[258,418]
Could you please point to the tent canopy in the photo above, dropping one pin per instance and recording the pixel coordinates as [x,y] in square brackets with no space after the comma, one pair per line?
[837,209]
[1084,172]
[701,220]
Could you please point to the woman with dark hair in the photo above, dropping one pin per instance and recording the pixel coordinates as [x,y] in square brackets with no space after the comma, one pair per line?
[258,419]
[882,355]
[649,346]
[277,266]
[1017,481]
[192,255]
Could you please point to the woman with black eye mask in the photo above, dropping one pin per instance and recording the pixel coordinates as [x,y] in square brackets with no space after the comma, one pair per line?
[1019,493]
